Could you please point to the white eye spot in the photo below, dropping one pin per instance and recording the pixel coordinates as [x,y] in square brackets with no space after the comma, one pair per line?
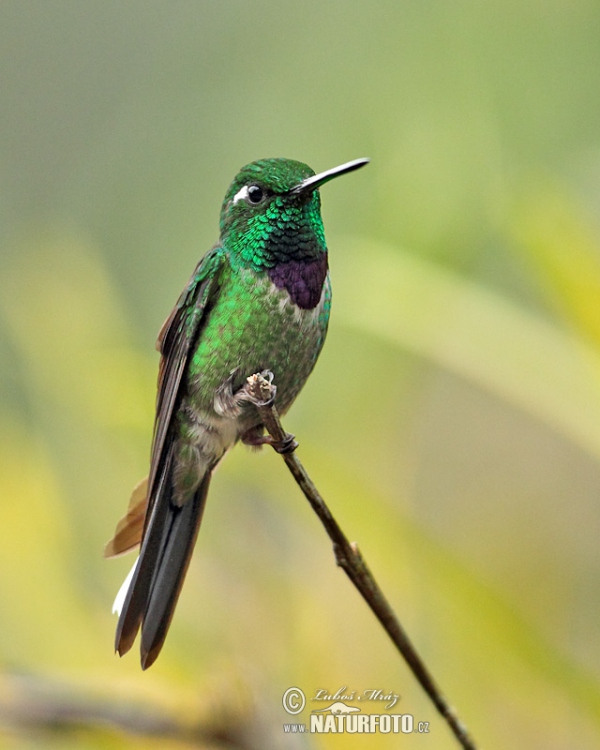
[241,194]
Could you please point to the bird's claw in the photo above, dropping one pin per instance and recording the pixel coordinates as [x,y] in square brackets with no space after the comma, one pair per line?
[255,439]
[287,445]
[261,383]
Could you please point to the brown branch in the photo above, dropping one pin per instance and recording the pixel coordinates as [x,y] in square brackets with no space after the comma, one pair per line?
[261,392]
[34,705]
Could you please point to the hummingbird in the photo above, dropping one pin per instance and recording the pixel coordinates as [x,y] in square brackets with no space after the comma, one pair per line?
[258,301]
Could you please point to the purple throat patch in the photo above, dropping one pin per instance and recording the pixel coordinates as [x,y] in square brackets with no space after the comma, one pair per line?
[302,279]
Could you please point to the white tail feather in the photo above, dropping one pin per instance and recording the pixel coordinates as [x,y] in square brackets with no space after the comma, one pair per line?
[122,595]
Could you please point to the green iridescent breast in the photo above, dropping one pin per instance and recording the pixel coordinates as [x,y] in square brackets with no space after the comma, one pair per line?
[254,326]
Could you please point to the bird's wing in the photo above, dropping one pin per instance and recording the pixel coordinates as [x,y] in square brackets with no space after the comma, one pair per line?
[175,340]
[156,582]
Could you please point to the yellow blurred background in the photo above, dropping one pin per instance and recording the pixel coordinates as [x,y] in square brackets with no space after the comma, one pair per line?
[452,423]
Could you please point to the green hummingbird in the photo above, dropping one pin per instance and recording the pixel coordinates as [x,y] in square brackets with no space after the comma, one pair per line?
[258,301]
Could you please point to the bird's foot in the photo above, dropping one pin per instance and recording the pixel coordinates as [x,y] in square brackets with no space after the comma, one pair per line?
[287,445]
[261,383]
[229,404]
[254,438]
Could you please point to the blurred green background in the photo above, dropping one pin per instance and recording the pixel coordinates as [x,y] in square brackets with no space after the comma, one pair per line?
[452,423]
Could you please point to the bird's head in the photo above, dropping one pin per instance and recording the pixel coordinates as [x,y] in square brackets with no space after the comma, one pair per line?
[272,211]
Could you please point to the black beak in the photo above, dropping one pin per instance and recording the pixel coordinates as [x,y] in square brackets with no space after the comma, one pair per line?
[314,182]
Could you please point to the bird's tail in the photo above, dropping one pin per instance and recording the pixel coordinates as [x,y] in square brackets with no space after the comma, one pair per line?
[156,580]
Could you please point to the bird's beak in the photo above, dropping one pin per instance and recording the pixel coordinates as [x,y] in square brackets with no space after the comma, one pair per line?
[314,182]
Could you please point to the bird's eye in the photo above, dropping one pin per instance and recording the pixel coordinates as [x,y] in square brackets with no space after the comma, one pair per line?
[255,194]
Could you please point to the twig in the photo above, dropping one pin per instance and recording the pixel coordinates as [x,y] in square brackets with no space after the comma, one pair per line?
[261,392]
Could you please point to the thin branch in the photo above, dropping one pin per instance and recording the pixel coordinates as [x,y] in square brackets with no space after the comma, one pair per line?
[261,392]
